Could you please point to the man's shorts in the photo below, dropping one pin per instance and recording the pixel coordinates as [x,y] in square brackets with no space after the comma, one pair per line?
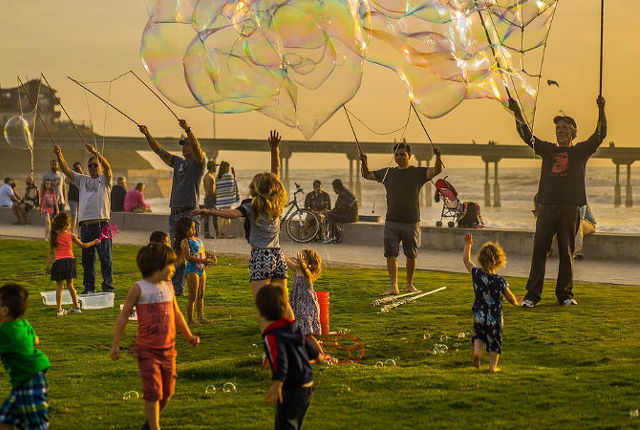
[267,263]
[27,406]
[406,232]
[158,373]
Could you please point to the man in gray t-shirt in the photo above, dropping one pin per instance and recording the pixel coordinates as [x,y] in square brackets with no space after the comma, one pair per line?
[57,180]
[402,223]
[187,173]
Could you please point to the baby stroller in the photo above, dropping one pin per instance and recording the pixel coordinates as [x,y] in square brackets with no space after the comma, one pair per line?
[450,202]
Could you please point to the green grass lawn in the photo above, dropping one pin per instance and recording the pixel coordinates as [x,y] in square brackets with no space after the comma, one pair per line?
[573,367]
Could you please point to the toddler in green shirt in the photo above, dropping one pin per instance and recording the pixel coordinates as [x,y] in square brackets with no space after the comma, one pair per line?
[27,406]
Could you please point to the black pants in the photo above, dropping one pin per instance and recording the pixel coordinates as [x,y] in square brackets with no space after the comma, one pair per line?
[563,221]
[295,402]
[333,219]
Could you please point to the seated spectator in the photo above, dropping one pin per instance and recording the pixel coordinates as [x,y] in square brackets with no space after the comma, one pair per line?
[587,227]
[318,202]
[31,200]
[118,193]
[6,194]
[345,211]
[134,200]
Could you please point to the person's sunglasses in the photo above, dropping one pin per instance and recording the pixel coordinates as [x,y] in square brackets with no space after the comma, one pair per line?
[93,165]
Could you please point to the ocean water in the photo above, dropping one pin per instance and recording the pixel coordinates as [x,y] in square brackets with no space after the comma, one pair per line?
[517,188]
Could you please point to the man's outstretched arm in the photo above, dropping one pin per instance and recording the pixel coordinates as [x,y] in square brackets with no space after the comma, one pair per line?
[434,171]
[521,124]
[64,167]
[155,146]
[196,150]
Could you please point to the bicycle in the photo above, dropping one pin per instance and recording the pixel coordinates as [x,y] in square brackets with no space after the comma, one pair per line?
[302,225]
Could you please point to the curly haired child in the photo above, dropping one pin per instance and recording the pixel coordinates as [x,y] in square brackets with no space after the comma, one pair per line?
[487,308]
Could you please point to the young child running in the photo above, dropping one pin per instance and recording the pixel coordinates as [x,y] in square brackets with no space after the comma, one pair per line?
[48,206]
[158,318]
[288,352]
[26,407]
[191,249]
[64,263]
[487,308]
[303,300]
[262,214]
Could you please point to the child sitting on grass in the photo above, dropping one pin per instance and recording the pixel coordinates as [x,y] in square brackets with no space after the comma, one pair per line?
[158,318]
[288,352]
[487,308]
[191,249]
[26,407]
[64,266]
[303,300]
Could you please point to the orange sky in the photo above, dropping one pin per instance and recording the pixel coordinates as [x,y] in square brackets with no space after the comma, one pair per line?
[96,40]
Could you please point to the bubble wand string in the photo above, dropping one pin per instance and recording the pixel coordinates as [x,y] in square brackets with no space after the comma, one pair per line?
[64,110]
[425,130]
[159,98]
[46,127]
[96,95]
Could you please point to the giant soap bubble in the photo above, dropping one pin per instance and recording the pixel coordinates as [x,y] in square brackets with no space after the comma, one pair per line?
[17,133]
[297,61]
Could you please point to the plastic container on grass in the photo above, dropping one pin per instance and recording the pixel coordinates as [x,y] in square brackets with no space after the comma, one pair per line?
[49,298]
[133,316]
[96,300]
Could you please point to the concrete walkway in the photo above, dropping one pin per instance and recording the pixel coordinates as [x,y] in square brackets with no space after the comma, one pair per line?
[588,270]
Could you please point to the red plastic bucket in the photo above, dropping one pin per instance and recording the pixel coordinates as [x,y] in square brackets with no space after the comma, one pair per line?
[323,301]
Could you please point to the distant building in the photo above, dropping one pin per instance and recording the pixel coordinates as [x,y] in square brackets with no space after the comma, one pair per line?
[11,100]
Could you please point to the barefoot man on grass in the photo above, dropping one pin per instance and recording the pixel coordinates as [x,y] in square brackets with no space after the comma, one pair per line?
[402,224]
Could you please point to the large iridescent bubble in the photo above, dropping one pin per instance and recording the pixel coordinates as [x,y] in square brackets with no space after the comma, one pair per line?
[446,51]
[297,61]
[17,133]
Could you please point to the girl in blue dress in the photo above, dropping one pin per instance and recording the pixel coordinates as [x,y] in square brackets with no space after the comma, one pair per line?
[192,250]
[487,308]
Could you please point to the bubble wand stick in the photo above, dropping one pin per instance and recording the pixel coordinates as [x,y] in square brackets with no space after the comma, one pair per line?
[601,42]
[46,127]
[64,110]
[117,110]
[154,93]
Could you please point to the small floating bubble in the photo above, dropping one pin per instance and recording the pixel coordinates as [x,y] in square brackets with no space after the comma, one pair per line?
[130,395]
[210,389]
[229,387]
[379,364]
[390,362]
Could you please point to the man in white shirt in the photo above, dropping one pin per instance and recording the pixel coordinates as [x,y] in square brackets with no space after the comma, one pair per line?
[93,214]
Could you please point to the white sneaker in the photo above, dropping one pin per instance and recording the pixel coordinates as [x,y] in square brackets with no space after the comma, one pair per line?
[61,312]
[528,304]
[74,311]
[568,302]
[329,240]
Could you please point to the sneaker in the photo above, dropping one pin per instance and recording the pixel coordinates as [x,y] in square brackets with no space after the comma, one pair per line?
[568,302]
[61,312]
[528,303]
[578,257]
[74,311]
[329,240]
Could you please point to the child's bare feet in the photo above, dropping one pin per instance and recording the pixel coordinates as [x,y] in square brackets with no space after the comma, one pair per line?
[192,322]
[411,288]
[495,370]
[476,361]
[203,320]
[390,292]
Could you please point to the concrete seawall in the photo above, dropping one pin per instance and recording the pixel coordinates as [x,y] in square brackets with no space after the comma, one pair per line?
[604,246]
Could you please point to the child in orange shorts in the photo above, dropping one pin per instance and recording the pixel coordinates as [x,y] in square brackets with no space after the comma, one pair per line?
[158,318]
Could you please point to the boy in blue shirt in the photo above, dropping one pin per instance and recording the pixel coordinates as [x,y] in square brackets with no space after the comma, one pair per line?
[289,352]
[27,406]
